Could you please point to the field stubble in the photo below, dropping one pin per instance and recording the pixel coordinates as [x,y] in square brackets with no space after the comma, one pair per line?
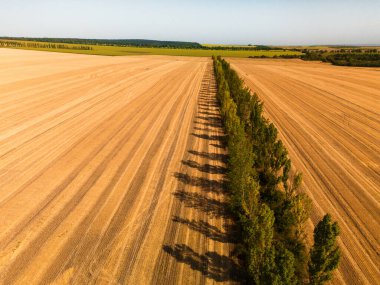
[111,171]
[328,117]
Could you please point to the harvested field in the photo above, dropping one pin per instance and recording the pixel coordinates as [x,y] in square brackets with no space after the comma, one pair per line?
[111,171]
[329,119]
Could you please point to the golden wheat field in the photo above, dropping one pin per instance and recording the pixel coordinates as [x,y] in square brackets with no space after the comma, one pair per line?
[329,119]
[111,171]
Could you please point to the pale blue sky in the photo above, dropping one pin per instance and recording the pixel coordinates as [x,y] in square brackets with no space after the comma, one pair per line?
[272,22]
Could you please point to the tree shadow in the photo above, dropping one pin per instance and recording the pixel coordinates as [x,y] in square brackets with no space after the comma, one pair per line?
[204,129]
[218,145]
[205,184]
[207,106]
[207,113]
[210,120]
[213,118]
[213,125]
[212,207]
[207,168]
[213,265]
[200,204]
[206,229]
[209,137]
[212,156]
[206,109]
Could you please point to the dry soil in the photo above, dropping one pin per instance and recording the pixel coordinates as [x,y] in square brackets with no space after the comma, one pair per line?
[111,171]
[329,119]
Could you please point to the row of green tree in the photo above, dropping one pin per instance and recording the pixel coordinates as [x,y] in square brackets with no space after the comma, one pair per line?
[115,42]
[276,56]
[142,43]
[270,213]
[362,59]
[336,49]
[18,44]
[249,47]
[355,59]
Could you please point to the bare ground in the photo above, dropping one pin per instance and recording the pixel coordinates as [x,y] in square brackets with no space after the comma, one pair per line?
[111,171]
[329,119]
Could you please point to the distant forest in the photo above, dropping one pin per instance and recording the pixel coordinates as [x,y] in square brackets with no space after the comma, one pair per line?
[249,47]
[141,43]
[356,57]
[131,42]
[38,45]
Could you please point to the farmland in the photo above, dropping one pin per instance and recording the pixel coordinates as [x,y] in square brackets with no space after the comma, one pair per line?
[111,171]
[129,50]
[328,118]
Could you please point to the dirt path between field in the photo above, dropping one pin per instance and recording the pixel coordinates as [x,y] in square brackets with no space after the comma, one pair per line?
[329,119]
[105,177]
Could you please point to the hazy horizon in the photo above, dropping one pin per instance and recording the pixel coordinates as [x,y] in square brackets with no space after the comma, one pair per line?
[208,43]
[275,22]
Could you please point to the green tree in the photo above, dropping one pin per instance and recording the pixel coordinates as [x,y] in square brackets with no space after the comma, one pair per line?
[325,253]
[301,209]
[257,240]
[283,271]
[270,211]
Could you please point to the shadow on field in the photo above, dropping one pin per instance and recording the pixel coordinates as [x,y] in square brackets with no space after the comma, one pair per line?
[218,145]
[207,105]
[202,188]
[211,264]
[211,125]
[203,129]
[211,156]
[209,137]
[207,113]
[206,229]
[212,207]
[205,184]
[207,168]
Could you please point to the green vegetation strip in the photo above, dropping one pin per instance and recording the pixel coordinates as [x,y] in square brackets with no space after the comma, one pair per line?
[108,42]
[356,57]
[131,50]
[271,215]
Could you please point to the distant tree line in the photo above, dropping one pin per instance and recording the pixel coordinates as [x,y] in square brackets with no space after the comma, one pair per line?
[249,47]
[143,43]
[352,49]
[19,44]
[344,57]
[276,56]
[270,212]
[355,59]
[117,42]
